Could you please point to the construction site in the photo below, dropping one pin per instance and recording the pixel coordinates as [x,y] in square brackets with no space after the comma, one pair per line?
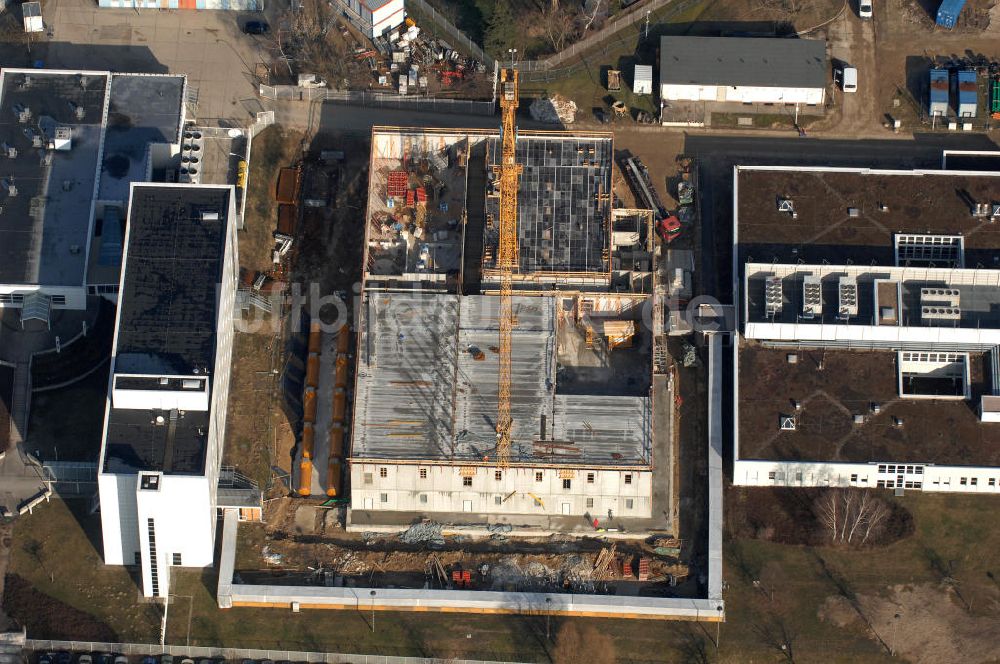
[498,418]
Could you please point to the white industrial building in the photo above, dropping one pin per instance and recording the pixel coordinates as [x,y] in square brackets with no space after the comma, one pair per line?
[373,18]
[65,186]
[743,70]
[586,442]
[868,351]
[166,413]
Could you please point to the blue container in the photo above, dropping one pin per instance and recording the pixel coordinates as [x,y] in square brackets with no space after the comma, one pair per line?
[947,15]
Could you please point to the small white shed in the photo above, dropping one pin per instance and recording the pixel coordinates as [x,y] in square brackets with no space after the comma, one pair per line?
[32,12]
[642,81]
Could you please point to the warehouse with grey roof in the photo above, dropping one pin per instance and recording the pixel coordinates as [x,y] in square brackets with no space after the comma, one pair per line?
[747,70]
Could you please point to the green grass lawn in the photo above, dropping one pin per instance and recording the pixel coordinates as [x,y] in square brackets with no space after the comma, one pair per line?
[955,538]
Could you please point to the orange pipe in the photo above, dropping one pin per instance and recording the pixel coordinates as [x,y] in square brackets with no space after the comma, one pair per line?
[336,440]
[340,376]
[309,405]
[333,478]
[308,437]
[343,340]
[339,406]
[305,477]
[315,337]
[312,370]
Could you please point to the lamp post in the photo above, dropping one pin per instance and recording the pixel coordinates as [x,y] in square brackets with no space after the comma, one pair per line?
[373,611]
[647,23]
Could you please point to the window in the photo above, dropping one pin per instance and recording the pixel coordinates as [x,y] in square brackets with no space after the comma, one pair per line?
[497,500]
[466,481]
[567,484]
[974,481]
[590,478]
[993,481]
[962,481]
[383,497]
[497,475]
[59,300]
[854,477]
[881,468]
[628,479]
[176,560]
[383,472]
[770,475]
[590,503]
[11,298]
[538,477]
[629,503]
[919,470]
[890,484]
[368,478]
[423,473]
[423,499]
[880,484]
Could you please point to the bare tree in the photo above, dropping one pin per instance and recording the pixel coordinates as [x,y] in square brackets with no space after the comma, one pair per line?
[851,516]
[558,24]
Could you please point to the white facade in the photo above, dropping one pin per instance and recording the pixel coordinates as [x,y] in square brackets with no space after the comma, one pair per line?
[900,474]
[386,486]
[742,94]
[180,510]
[60,297]
[374,17]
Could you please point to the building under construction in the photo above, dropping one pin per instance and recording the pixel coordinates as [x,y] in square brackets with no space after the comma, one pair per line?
[587,356]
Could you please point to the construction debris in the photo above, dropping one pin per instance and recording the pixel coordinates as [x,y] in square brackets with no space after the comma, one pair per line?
[425,532]
[553,110]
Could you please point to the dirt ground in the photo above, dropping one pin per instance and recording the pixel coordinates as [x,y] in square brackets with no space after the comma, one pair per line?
[924,624]
[299,539]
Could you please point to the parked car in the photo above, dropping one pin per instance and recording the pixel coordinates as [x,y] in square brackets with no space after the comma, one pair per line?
[849,79]
[45,658]
[148,659]
[121,659]
[865,8]
[187,660]
[85,658]
[63,657]
[256,27]
[105,658]
[166,659]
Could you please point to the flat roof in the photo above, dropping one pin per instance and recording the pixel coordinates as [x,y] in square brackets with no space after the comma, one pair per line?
[173,266]
[422,394]
[168,313]
[743,61]
[887,203]
[44,227]
[832,387]
[143,109]
[563,203]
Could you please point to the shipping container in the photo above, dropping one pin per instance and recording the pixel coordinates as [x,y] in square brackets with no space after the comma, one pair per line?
[938,93]
[968,94]
[948,11]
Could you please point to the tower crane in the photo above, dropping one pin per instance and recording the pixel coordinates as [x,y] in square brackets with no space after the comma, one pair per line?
[509,173]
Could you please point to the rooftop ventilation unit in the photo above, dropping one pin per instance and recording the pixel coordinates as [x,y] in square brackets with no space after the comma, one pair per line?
[786,423]
[773,297]
[940,313]
[9,151]
[787,206]
[981,209]
[949,297]
[847,295]
[812,296]
[853,212]
[9,187]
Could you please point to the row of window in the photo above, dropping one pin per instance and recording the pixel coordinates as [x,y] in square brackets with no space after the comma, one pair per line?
[175,559]
[497,500]
[907,470]
[18,298]
[900,484]
[498,476]
[103,289]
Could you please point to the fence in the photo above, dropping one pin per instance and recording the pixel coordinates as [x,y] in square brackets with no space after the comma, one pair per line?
[453,33]
[378,99]
[237,654]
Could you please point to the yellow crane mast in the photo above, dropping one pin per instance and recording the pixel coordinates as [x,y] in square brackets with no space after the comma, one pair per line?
[509,174]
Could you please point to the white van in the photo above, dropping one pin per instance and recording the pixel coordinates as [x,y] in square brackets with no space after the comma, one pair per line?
[849,79]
